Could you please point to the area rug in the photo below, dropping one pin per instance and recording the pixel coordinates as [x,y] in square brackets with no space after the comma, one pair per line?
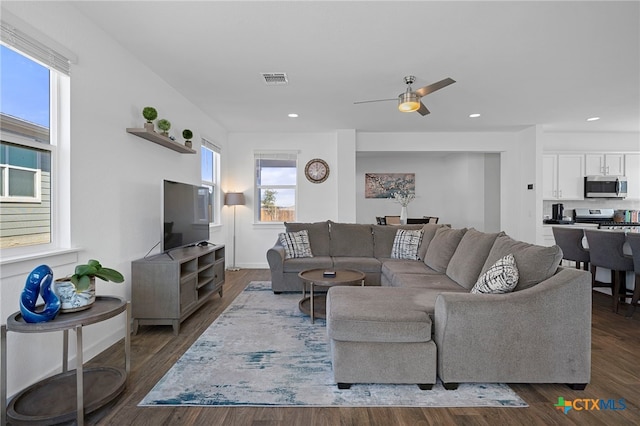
[262,351]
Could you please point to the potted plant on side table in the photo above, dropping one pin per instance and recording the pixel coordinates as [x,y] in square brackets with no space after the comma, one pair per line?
[78,291]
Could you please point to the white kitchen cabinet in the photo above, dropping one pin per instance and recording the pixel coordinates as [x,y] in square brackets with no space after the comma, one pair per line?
[549,176]
[604,164]
[563,177]
[632,171]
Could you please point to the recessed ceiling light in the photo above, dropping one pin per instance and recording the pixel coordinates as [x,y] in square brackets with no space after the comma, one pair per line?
[293,115]
[593,118]
[474,115]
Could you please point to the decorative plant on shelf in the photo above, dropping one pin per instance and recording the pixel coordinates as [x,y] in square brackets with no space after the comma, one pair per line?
[85,273]
[164,125]
[150,114]
[187,134]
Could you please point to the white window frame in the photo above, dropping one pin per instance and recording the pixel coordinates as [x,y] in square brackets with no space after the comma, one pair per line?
[215,184]
[272,155]
[59,137]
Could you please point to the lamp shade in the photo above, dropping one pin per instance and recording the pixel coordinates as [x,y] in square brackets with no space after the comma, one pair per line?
[234,199]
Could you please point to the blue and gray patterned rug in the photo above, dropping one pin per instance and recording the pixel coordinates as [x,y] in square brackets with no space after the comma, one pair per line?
[262,351]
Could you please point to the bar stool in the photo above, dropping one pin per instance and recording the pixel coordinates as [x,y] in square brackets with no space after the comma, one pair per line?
[605,251]
[634,243]
[570,241]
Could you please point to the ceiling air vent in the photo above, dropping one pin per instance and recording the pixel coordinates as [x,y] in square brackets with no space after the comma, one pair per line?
[275,78]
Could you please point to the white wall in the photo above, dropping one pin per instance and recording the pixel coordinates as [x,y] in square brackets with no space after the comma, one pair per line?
[591,142]
[451,186]
[507,145]
[315,202]
[115,177]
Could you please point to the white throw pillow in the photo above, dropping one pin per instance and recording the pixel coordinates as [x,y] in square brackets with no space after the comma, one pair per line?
[501,277]
[296,244]
[406,244]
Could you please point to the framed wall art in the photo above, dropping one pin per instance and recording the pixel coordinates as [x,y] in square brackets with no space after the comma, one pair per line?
[384,185]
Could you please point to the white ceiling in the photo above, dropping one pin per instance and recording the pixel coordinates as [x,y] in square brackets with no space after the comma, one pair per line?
[516,63]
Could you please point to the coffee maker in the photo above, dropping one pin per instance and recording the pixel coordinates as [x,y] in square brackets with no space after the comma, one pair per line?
[557,211]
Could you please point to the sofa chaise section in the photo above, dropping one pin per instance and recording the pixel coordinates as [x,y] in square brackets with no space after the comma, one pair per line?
[541,334]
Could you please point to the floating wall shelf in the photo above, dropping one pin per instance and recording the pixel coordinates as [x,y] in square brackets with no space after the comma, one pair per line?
[160,140]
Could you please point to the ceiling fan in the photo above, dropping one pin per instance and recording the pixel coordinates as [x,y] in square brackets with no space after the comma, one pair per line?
[409,100]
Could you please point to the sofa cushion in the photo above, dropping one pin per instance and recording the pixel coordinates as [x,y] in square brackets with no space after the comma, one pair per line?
[383,237]
[467,261]
[351,239]
[442,247]
[429,232]
[318,235]
[363,264]
[303,263]
[501,277]
[376,314]
[439,282]
[296,244]
[535,263]
[406,244]
[391,267]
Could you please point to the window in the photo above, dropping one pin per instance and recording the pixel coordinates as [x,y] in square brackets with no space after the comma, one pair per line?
[210,166]
[276,177]
[34,94]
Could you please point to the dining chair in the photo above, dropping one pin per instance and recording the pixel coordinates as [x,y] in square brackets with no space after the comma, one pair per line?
[570,241]
[634,243]
[606,251]
[392,220]
[431,219]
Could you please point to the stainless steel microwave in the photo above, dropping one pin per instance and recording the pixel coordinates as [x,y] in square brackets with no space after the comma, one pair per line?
[605,187]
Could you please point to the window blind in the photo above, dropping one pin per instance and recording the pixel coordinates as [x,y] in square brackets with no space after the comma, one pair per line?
[210,145]
[17,39]
[276,155]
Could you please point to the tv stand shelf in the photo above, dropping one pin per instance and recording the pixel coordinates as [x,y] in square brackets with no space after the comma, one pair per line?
[160,140]
[167,288]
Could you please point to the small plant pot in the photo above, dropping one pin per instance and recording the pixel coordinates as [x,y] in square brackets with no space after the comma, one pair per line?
[188,144]
[149,127]
[72,300]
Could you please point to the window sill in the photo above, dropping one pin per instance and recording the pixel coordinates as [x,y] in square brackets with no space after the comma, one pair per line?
[24,263]
[268,224]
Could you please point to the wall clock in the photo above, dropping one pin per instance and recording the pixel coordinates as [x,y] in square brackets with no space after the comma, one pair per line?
[316,170]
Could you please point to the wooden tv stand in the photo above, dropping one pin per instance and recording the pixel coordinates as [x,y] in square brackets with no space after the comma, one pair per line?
[167,288]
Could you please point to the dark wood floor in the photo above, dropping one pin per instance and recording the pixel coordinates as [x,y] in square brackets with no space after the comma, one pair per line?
[615,375]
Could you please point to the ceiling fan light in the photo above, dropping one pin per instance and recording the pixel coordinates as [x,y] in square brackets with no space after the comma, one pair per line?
[408,102]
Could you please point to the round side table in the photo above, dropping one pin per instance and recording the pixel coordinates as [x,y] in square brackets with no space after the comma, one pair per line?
[62,397]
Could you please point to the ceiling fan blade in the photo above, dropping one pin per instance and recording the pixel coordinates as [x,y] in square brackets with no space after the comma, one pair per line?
[424,91]
[423,109]
[376,100]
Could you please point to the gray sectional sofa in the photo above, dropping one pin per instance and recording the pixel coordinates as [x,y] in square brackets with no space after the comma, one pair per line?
[336,246]
[416,319]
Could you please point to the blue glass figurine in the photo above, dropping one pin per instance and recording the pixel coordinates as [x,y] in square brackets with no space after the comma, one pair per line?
[39,282]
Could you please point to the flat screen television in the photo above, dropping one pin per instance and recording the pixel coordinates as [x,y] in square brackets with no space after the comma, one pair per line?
[186,213]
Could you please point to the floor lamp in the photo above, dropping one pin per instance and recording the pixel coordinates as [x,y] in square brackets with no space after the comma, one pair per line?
[234,199]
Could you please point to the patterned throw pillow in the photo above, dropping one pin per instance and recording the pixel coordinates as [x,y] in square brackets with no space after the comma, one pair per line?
[296,244]
[406,244]
[502,277]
